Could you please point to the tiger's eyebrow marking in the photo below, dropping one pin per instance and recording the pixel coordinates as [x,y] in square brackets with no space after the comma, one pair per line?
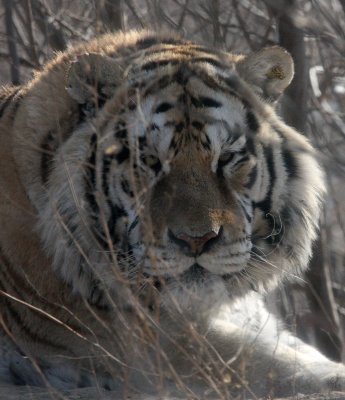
[203,101]
[197,125]
[163,107]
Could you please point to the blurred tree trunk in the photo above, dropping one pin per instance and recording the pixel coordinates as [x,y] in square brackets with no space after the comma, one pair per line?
[326,323]
[322,326]
[29,29]
[45,23]
[111,14]
[11,42]
[294,105]
[342,3]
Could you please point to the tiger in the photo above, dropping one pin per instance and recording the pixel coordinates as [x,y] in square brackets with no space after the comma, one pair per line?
[151,198]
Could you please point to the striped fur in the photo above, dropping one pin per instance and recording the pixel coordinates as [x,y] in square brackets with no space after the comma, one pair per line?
[146,172]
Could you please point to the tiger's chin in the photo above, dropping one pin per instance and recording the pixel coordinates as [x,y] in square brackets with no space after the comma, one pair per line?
[194,292]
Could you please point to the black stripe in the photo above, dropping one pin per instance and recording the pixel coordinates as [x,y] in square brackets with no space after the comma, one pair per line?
[202,49]
[151,65]
[121,134]
[161,84]
[179,127]
[133,224]
[182,75]
[243,159]
[252,121]
[154,127]
[290,163]
[197,125]
[208,60]
[90,177]
[90,190]
[206,141]
[220,166]
[147,42]
[142,143]
[180,50]
[266,204]
[120,131]
[126,188]
[252,177]
[115,214]
[105,171]
[201,102]
[164,82]
[232,84]
[48,149]
[250,145]
[163,107]
[215,83]
[245,212]
[115,211]
[123,155]
[150,41]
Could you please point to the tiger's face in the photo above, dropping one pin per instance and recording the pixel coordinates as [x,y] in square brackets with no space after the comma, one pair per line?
[193,167]
[181,175]
[182,170]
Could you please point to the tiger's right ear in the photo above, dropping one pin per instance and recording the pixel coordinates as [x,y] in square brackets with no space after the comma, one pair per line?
[269,71]
[92,78]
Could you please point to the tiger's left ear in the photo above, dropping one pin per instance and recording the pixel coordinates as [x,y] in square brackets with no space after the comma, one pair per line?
[269,71]
[92,76]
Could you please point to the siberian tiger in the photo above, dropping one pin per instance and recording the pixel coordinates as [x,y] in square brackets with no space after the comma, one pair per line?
[150,197]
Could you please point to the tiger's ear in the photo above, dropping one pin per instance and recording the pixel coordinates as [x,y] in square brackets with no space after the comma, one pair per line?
[269,71]
[92,77]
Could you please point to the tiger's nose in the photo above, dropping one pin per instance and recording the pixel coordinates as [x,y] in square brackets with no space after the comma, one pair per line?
[194,245]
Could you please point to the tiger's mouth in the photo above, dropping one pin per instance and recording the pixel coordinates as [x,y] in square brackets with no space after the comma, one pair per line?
[195,274]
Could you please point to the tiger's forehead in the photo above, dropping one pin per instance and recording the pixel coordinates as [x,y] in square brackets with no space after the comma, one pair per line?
[160,55]
[167,102]
[189,100]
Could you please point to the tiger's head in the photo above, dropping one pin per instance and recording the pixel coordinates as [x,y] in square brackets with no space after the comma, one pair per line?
[181,174]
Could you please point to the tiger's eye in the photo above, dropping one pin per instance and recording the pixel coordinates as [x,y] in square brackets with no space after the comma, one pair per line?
[225,158]
[152,162]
